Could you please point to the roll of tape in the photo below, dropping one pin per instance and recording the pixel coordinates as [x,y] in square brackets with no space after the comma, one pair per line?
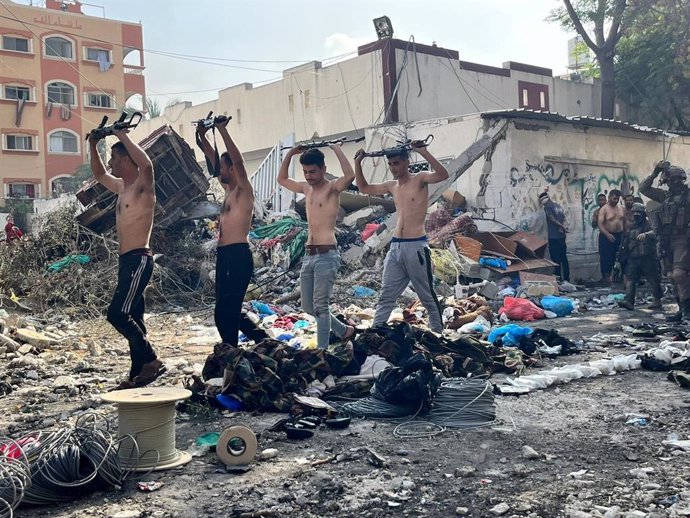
[236,446]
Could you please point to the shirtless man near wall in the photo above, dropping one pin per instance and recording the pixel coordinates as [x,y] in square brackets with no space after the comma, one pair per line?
[409,257]
[131,178]
[234,261]
[611,227]
[321,263]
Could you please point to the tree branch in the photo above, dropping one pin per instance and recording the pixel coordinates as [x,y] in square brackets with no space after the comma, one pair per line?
[615,31]
[599,24]
[579,28]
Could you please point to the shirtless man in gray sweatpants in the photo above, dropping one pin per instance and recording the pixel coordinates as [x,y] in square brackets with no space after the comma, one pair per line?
[409,257]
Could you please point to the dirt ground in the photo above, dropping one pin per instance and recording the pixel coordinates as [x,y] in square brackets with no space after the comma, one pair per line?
[589,462]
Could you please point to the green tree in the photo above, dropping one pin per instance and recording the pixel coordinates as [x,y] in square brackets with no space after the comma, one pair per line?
[653,66]
[607,20]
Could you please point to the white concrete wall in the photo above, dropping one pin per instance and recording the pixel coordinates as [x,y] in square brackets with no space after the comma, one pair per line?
[331,100]
[448,90]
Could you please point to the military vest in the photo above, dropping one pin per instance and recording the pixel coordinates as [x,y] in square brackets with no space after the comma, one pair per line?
[646,248]
[674,213]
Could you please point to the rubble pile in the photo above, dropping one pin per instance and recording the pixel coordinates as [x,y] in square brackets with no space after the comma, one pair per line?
[66,267]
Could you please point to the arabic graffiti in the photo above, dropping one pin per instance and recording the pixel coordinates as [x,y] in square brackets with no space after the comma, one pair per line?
[58,21]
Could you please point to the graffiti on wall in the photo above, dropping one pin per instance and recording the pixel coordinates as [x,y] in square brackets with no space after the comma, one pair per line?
[513,197]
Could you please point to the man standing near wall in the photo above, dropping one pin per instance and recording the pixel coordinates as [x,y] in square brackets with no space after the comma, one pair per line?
[409,257]
[611,226]
[673,228]
[556,229]
[234,261]
[601,201]
[628,201]
[321,263]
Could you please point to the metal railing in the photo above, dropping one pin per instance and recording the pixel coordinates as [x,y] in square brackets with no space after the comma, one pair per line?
[267,192]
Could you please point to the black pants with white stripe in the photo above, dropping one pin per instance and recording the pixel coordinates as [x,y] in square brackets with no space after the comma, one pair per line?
[126,311]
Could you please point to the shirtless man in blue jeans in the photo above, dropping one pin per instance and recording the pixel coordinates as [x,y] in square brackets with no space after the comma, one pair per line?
[320,265]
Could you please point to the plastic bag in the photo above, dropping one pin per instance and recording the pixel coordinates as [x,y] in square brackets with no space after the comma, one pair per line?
[511,334]
[478,325]
[363,292]
[521,309]
[562,306]
[369,230]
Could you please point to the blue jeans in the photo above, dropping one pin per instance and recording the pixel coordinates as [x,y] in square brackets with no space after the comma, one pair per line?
[316,285]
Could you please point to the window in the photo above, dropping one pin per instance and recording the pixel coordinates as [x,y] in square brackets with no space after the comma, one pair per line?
[100,55]
[99,100]
[62,142]
[19,142]
[22,190]
[239,115]
[15,43]
[533,96]
[306,99]
[291,103]
[17,92]
[59,47]
[60,93]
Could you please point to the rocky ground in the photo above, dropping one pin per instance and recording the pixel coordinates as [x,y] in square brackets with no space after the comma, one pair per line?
[564,451]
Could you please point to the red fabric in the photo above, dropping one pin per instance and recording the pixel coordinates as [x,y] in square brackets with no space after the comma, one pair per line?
[521,309]
[369,230]
[12,231]
[438,219]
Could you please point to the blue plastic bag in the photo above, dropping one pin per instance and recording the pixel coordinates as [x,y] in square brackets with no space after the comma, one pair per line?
[562,306]
[363,292]
[494,262]
[262,308]
[511,334]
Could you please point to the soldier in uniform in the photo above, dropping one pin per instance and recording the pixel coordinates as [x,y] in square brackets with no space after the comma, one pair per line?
[638,250]
[673,229]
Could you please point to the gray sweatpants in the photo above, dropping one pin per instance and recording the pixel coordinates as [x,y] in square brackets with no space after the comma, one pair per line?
[408,261]
[316,281]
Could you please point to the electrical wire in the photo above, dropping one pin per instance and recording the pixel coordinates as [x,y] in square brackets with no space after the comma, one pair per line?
[375,408]
[187,57]
[45,467]
[463,403]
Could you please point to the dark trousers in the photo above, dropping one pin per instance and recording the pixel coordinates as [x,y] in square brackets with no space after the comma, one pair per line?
[126,311]
[638,267]
[559,255]
[607,253]
[234,270]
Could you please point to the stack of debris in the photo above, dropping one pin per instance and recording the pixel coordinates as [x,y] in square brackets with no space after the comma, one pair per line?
[180,185]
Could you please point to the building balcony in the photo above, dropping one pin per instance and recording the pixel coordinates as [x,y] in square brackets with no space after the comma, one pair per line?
[134,80]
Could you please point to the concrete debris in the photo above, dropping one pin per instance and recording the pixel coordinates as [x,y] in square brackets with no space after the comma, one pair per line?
[38,340]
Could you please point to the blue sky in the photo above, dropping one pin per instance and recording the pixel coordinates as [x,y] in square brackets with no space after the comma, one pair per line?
[484,31]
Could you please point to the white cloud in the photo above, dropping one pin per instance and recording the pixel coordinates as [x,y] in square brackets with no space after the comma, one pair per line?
[339,43]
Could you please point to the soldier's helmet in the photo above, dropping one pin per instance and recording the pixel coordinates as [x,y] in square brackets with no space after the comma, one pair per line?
[672,172]
[638,208]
